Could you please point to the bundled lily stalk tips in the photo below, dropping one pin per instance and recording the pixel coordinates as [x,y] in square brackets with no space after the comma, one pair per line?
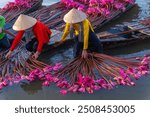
[101,71]
[81,75]
[18,67]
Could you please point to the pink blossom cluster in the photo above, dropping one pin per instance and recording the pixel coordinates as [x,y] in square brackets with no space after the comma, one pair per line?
[45,75]
[126,76]
[97,7]
[18,3]
[82,84]
[86,84]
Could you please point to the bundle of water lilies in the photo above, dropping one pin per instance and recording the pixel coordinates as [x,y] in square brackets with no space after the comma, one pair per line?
[97,7]
[18,68]
[13,9]
[81,75]
[101,71]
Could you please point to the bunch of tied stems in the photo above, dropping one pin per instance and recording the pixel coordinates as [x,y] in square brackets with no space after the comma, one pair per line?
[97,66]
[20,64]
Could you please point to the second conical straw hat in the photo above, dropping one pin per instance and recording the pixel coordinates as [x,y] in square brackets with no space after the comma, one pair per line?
[24,22]
[74,16]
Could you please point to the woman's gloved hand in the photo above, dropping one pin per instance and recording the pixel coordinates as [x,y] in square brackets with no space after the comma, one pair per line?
[8,55]
[84,54]
[36,55]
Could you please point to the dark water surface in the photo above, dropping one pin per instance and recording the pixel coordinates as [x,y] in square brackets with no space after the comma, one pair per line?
[140,91]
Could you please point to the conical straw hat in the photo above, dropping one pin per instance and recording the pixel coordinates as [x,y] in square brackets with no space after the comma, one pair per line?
[74,16]
[24,22]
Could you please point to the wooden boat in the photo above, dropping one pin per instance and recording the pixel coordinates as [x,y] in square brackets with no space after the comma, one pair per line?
[108,43]
[125,39]
[10,18]
[52,16]
[11,14]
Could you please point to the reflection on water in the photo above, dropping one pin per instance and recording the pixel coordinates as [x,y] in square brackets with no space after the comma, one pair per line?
[140,91]
[31,88]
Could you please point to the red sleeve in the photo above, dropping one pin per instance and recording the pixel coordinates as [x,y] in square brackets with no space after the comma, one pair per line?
[49,31]
[17,40]
[40,46]
[41,39]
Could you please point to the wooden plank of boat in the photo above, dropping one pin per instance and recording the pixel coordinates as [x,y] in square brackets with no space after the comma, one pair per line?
[145,31]
[35,7]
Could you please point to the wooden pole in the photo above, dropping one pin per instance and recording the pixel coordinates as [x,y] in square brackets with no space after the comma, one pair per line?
[124,32]
[9,33]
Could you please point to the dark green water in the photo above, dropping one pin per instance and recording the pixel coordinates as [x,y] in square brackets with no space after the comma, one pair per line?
[140,91]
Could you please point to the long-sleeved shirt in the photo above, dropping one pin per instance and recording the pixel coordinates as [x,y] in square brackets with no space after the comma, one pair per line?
[2,24]
[41,33]
[86,27]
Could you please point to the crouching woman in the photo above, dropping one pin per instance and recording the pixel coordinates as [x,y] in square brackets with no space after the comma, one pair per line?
[41,31]
[81,31]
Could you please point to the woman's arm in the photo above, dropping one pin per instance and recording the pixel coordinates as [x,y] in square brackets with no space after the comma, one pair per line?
[16,40]
[66,32]
[86,34]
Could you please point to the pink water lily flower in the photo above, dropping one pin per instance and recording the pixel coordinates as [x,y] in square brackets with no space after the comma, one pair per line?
[93,3]
[129,1]
[110,1]
[48,69]
[49,78]
[97,87]
[4,83]
[1,86]
[89,90]
[122,73]
[63,92]
[105,12]
[119,6]
[81,8]
[46,84]
[55,79]
[57,66]
[103,2]
[82,89]
[75,88]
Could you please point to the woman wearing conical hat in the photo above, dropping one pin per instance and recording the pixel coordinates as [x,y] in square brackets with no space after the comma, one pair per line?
[81,30]
[40,30]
